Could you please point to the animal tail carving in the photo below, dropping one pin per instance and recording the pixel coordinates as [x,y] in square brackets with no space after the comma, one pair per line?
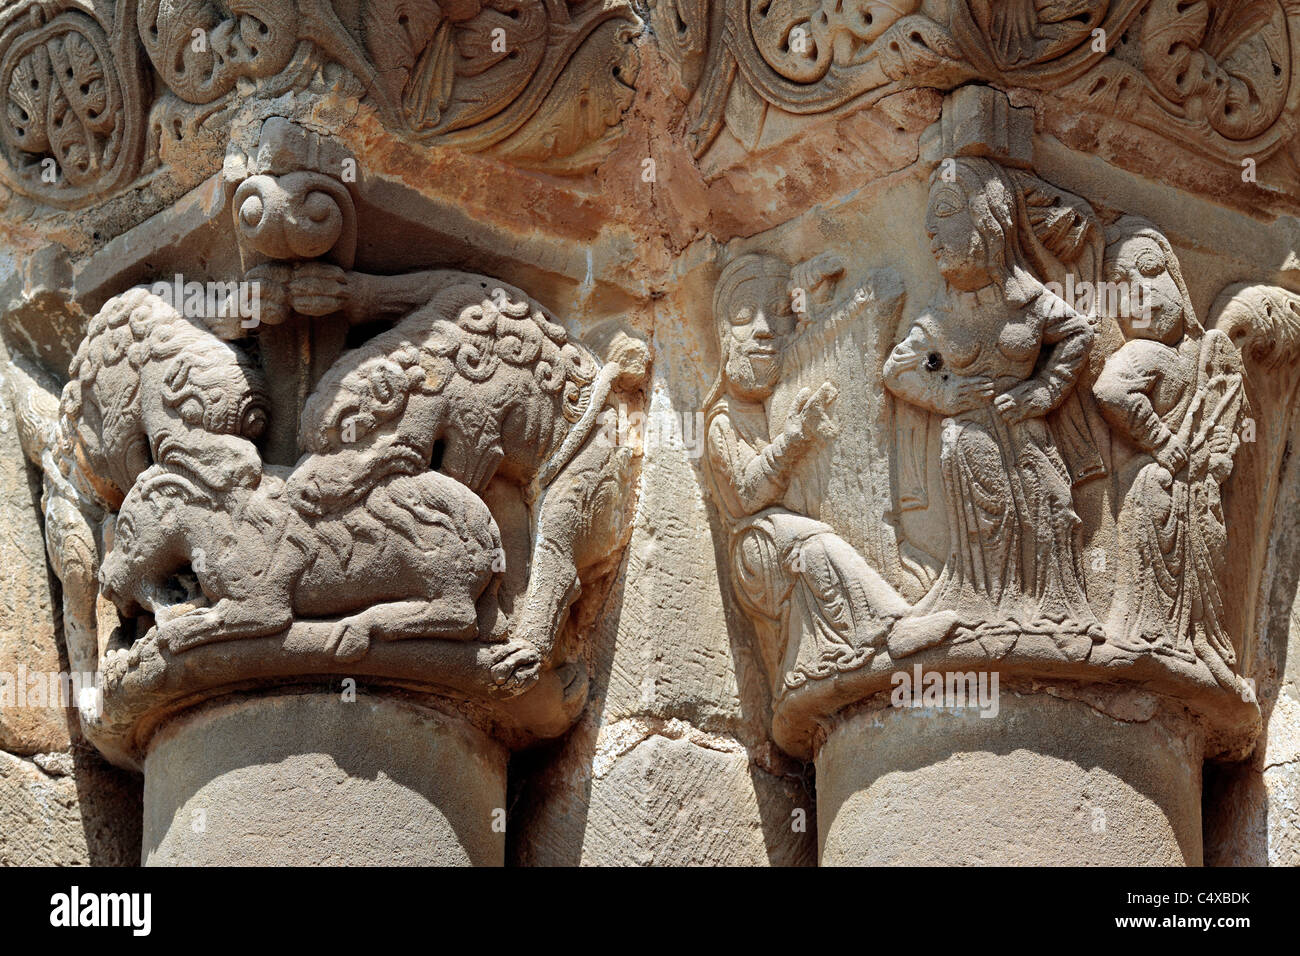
[1263,322]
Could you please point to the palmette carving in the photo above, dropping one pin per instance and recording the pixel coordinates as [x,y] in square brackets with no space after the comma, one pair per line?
[804,56]
[72,126]
[239,39]
[1229,64]
[1022,32]
[544,83]
[1216,76]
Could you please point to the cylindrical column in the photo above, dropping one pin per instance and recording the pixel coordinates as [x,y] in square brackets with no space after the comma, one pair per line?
[1043,781]
[311,778]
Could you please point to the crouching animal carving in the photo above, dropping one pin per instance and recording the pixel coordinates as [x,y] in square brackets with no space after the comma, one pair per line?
[363,533]
[411,560]
[482,377]
[148,388]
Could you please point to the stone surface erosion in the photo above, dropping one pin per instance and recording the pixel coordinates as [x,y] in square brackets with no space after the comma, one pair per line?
[649,433]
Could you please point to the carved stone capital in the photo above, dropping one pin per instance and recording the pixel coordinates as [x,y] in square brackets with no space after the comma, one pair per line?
[1064,457]
[271,500]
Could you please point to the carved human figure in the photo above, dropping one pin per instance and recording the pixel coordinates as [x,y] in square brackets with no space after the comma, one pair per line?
[994,354]
[817,605]
[1174,392]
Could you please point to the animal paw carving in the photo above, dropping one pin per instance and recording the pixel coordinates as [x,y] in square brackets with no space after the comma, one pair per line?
[515,665]
[189,630]
[350,639]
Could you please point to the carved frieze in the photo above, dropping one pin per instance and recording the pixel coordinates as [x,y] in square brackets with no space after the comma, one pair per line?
[1219,77]
[544,84]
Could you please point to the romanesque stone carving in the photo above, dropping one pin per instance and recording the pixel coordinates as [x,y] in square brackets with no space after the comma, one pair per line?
[1262,321]
[544,84]
[148,389]
[995,357]
[249,40]
[73,125]
[803,57]
[483,378]
[1061,433]
[436,541]
[1235,72]
[970,422]
[384,529]
[1175,392]
[1189,71]
[818,607]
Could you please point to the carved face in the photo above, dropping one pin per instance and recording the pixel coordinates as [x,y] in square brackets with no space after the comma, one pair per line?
[363,401]
[226,400]
[955,242]
[136,564]
[1140,262]
[149,543]
[758,318]
[754,318]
